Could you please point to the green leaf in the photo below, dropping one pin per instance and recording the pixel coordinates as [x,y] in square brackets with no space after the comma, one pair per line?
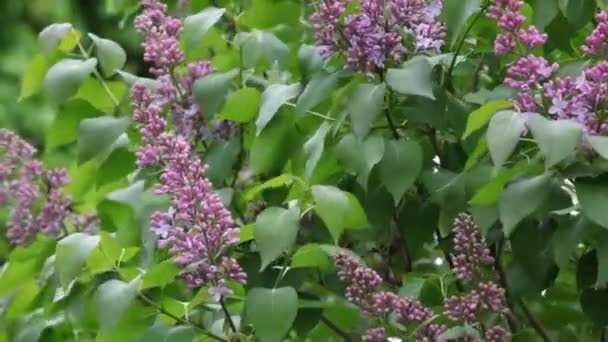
[160,275]
[482,115]
[338,209]
[71,254]
[271,311]
[579,12]
[309,59]
[503,134]
[400,166]
[195,26]
[66,76]
[94,92]
[51,36]
[455,14]
[557,139]
[602,260]
[181,334]
[360,157]
[257,44]
[112,299]
[594,303]
[544,13]
[241,105]
[64,129]
[211,91]
[16,273]
[275,233]
[33,77]
[521,199]
[414,77]
[271,149]
[311,255]
[599,144]
[272,99]
[110,54]
[593,197]
[273,183]
[221,158]
[455,333]
[317,90]
[99,136]
[314,148]
[131,79]
[366,102]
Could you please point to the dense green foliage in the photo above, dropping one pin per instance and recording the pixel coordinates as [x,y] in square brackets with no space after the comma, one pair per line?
[314,161]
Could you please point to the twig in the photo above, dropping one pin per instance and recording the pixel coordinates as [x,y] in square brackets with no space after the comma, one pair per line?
[179,319]
[461,44]
[405,249]
[227,314]
[502,278]
[104,85]
[336,329]
[534,322]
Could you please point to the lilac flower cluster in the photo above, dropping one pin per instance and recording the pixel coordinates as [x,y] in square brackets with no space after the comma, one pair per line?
[581,99]
[197,228]
[471,252]
[161,44]
[24,183]
[597,42]
[471,255]
[374,34]
[363,290]
[507,14]
[528,72]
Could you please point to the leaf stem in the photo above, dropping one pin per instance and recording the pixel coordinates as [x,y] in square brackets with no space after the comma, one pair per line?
[478,16]
[227,314]
[104,85]
[162,310]
[336,329]
[534,322]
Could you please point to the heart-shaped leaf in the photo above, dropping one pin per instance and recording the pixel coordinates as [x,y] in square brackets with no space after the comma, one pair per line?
[557,139]
[271,311]
[275,232]
[503,134]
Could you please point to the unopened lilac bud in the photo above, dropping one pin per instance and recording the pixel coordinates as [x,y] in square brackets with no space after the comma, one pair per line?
[374,335]
[471,252]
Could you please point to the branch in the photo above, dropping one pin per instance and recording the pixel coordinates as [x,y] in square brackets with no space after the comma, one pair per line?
[336,329]
[162,310]
[228,316]
[534,322]
[502,278]
[478,16]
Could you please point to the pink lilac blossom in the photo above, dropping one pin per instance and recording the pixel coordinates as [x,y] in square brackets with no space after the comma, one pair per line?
[471,251]
[197,228]
[511,21]
[580,99]
[161,32]
[363,291]
[527,76]
[373,35]
[495,334]
[596,43]
[374,335]
[23,184]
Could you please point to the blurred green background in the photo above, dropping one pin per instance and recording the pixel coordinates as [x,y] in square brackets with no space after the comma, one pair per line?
[21,22]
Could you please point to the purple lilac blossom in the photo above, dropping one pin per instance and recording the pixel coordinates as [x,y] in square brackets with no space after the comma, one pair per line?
[161,32]
[197,228]
[373,34]
[526,76]
[471,251]
[22,185]
[597,42]
[363,291]
[374,335]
